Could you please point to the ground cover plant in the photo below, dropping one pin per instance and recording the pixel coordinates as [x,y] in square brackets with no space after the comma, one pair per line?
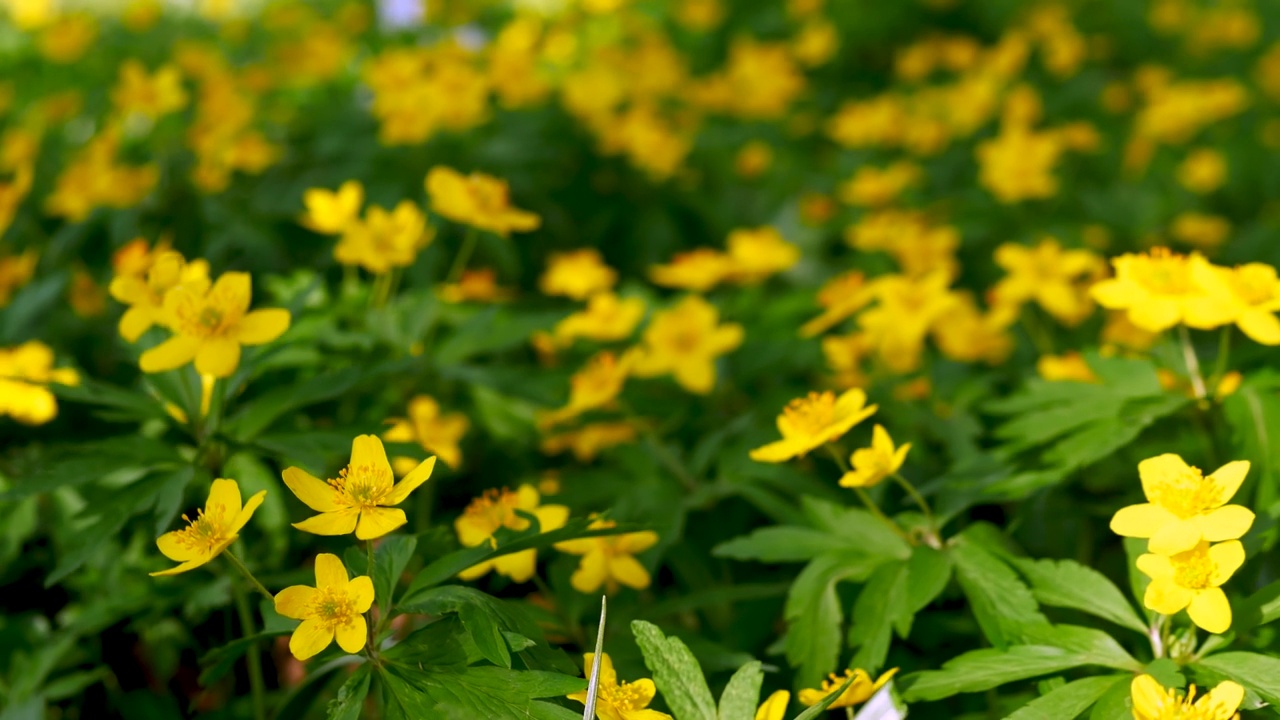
[639,359]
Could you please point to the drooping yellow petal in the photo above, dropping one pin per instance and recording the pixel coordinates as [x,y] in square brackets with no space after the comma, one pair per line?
[1210,610]
[1140,521]
[191,564]
[309,638]
[331,523]
[330,572]
[316,494]
[776,452]
[410,482]
[361,592]
[294,601]
[262,326]
[353,635]
[218,356]
[378,521]
[172,353]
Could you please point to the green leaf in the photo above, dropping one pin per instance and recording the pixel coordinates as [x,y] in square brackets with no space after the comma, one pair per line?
[80,463]
[816,711]
[1253,412]
[1001,602]
[878,605]
[1068,584]
[742,694]
[491,693]
[928,572]
[980,670]
[1068,701]
[856,525]
[783,543]
[389,561]
[1090,645]
[125,404]
[486,634]
[259,413]
[1259,673]
[220,660]
[676,672]
[1259,608]
[813,613]
[351,695]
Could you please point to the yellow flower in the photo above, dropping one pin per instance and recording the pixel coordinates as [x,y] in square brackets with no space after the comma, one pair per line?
[809,422]
[437,433]
[844,355]
[210,325]
[1151,701]
[145,294]
[151,95]
[697,270]
[68,37]
[1203,171]
[478,200]
[587,441]
[334,608]
[609,560]
[871,465]
[619,700]
[360,498]
[757,253]
[753,159]
[332,212]
[816,43]
[578,274]
[16,271]
[905,310]
[86,296]
[685,341]
[1054,278]
[859,692]
[497,509]
[216,526]
[1161,289]
[873,187]
[385,240]
[1018,164]
[1193,580]
[1200,230]
[594,386]
[24,373]
[1256,290]
[478,285]
[1184,506]
[31,14]
[606,317]
[841,297]
[1067,367]
[965,334]
[774,707]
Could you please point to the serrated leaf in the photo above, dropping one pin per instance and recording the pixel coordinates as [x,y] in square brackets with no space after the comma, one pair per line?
[1000,601]
[879,603]
[1068,701]
[814,615]
[928,572]
[980,670]
[1092,646]
[1068,584]
[676,672]
[469,693]
[742,694]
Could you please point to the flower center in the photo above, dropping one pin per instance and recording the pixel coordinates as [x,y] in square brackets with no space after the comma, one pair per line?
[624,696]
[206,532]
[1187,494]
[1165,273]
[333,606]
[1193,569]
[205,320]
[810,415]
[362,486]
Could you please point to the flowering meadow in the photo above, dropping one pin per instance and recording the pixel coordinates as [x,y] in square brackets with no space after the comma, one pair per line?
[639,359]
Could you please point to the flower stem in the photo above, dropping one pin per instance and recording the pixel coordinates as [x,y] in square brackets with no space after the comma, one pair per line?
[1224,356]
[248,575]
[848,712]
[373,632]
[1156,635]
[464,254]
[256,686]
[918,499]
[1193,362]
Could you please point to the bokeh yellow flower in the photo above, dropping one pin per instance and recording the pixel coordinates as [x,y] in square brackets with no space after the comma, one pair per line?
[578,274]
[609,560]
[1184,506]
[384,239]
[596,385]
[479,200]
[1067,367]
[497,509]
[1192,580]
[150,95]
[216,526]
[810,422]
[685,341]
[25,372]
[871,465]
[1161,289]
[334,608]
[606,317]
[434,431]
[16,271]
[697,270]
[758,253]
[331,212]
[360,499]
[477,285]
[1202,171]
[589,440]
[1054,278]
[1256,291]
[145,294]
[840,298]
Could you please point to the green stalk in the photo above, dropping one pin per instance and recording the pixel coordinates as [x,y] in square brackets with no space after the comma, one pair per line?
[464,254]
[1193,362]
[863,496]
[248,575]
[254,662]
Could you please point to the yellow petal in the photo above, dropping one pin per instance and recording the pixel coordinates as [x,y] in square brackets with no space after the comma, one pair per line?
[330,572]
[1224,699]
[224,497]
[368,450]
[776,452]
[774,707]
[233,291]
[173,548]
[309,638]
[188,565]
[218,357]
[247,511]
[1229,478]
[1228,522]
[134,322]
[551,517]
[1149,696]
[295,601]
[1165,597]
[628,571]
[172,353]
[1154,566]
[697,375]
[353,635]
[361,591]
[608,675]
[1227,558]
[330,523]
[378,521]
[579,546]
[643,691]
[410,482]
[317,495]
[262,326]
[1210,610]
[519,566]
[1261,326]
[637,542]
[476,571]
[810,697]
[1140,521]
[1158,472]
[591,573]
[1156,314]
[1175,537]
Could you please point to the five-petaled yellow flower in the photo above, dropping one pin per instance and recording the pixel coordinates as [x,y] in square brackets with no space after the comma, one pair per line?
[810,422]
[434,431]
[334,608]
[578,274]
[1193,580]
[210,324]
[619,700]
[145,295]
[1256,292]
[1151,701]
[216,526]
[331,212]
[1184,506]
[857,693]
[1050,276]
[871,465]
[685,341]
[25,372]
[360,498]
[479,200]
[497,509]
[1161,289]
[609,560]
